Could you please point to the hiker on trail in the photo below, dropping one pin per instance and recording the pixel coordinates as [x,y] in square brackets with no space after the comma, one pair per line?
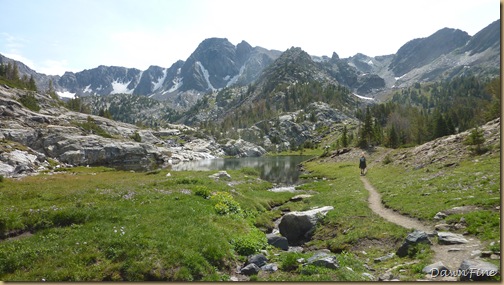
[362,164]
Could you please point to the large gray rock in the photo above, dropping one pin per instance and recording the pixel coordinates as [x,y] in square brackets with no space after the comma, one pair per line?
[257,259]
[435,269]
[477,270]
[298,227]
[278,241]
[250,269]
[413,238]
[270,267]
[323,259]
[450,238]
[21,162]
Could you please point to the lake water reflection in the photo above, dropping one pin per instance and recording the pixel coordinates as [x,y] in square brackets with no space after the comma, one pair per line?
[276,169]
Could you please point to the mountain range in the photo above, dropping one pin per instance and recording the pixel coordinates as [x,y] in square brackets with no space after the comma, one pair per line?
[217,64]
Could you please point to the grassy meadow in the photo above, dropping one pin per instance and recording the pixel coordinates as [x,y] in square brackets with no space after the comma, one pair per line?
[99,224]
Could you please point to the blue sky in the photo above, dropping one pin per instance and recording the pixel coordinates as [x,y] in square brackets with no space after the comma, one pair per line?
[54,36]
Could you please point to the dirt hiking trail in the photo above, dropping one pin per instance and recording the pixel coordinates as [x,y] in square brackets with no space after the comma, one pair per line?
[451,255]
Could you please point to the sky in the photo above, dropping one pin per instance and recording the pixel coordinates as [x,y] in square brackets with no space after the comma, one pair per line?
[55,36]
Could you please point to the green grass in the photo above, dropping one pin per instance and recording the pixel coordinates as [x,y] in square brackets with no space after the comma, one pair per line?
[424,192]
[99,224]
[95,224]
[351,222]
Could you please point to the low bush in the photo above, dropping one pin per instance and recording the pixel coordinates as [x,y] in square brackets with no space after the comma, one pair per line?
[202,191]
[290,262]
[30,102]
[225,204]
[250,243]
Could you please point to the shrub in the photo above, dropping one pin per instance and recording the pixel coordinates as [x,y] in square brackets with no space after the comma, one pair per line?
[30,102]
[250,243]
[136,137]
[202,191]
[91,127]
[1,178]
[225,204]
[289,261]
[387,159]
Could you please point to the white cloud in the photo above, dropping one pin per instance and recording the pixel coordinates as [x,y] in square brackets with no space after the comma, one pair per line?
[20,58]
[53,67]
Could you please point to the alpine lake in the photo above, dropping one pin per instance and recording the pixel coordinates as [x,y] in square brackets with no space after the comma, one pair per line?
[275,169]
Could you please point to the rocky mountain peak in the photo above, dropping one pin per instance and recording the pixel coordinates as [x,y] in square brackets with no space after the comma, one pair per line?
[243,50]
[421,51]
[487,38]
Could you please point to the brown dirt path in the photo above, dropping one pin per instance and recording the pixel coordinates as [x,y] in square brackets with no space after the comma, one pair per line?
[450,255]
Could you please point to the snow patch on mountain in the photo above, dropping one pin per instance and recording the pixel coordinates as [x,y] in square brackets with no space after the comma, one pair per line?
[235,78]
[88,89]
[177,83]
[160,81]
[121,88]
[66,94]
[205,74]
[362,97]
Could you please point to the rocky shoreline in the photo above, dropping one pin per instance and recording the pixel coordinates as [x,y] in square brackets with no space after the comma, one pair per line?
[55,137]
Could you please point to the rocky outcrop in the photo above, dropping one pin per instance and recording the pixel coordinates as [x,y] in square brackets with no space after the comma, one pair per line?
[447,150]
[18,162]
[30,139]
[241,148]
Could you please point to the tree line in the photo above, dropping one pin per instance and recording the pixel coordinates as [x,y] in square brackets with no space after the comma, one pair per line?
[9,75]
[428,111]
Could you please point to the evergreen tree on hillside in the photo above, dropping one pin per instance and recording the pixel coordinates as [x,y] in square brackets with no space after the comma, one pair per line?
[392,140]
[494,88]
[344,137]
[475,141]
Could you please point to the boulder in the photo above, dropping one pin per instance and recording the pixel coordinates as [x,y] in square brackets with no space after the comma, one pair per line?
[435,269]
[257,259]
[384,258]
[368,276]
[323,259]
[477,270]
[450,238]
[413,238]
[250,269]
[298,227]
[270,267]
[20,162]
[278,241]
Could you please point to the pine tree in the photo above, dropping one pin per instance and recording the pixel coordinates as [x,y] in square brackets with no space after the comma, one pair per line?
[475,140]
[440,128]
[344,136]
[393,138]
[31,84]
